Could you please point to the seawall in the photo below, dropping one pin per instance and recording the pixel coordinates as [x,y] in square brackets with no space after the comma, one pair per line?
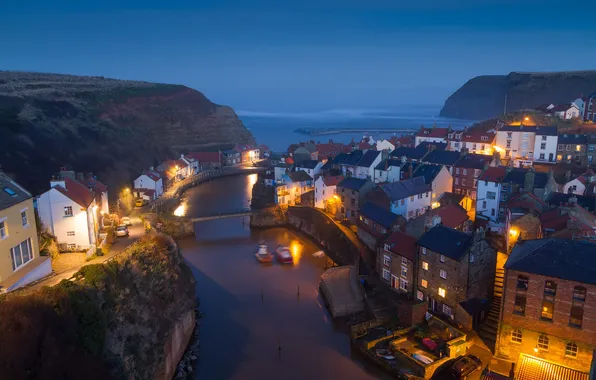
[175,347]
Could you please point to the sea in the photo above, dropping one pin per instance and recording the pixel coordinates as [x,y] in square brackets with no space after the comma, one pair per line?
[277,130]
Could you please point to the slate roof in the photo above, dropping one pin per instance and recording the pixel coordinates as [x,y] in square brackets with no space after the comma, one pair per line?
[451,198]
[352,183]
[94,184]
[308,164]
[340,158]
[571,139]
[378,214]
[473,161]
[442,157]
[518,128]
[562,107]
[572,260]
[353,158]
[518,176]
[11,193]
[406,188]
[411,153]
[426,145]
[368,158]
[446,241]
[299,176]
[386,163]
[493,174]
[546,131]
[76,191]
[402,244]
[428,172]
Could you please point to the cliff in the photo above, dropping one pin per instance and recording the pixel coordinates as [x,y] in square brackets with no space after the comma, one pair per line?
[483,97]
[129,319]
[113,128]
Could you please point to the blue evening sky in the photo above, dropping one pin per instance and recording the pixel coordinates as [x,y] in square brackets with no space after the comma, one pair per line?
[296,55]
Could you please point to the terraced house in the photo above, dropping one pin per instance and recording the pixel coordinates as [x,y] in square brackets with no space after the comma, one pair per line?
[20,262]
[547,323]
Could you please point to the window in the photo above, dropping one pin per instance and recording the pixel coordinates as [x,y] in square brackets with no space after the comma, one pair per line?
[463,182]
[474,146]
[568,147]
[525,136]
[423,250]
[365,220]
[21,254]
[548,300]
[420,196]
[590,158]
[484,138]
[543,342]
[507,152]
[420,295]
[543,146]
[516,336]
[524,145]
[542,156]
[3,229]
[70,233]
[386,274]
[386,260]
[404,261]
[508,144]
[446,310]
[522,282]
[543,138]
[571,350]
[424,265]
[578,148]
[492,212]
[443,274]
[475,184]
[591,148]
[426,194]
[442,258]
[412,199]
[403,284]
[404,271]
[387,247]
[465,172]
[403,201]
[10,191]
[471,257]
[24,221]
[442,292]
[68,211]
[476,173]
[509,134]
[456,180]
[456,170]
[491,195]
[576,315]
[520,304]
[424,283]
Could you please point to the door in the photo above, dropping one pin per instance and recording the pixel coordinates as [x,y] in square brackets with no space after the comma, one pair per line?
[550,157]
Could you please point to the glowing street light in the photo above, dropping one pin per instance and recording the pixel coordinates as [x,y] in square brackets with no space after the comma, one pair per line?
[513,232]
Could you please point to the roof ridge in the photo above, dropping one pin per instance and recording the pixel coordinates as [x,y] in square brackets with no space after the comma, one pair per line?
[529,252]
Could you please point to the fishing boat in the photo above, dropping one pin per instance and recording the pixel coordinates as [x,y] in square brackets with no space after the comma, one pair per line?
[284,255]
[263,255]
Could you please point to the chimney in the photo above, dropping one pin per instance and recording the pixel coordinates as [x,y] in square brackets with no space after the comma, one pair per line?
[403,159]
[567,176]
[529,181]
[410,170]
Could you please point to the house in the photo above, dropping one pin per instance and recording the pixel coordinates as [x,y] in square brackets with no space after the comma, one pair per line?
[589,108]
[291,187]
[264,151]
[466,172]
[454,267]
[558,199]
[404,154]
[326,197]
[20,262]
[519,180]
[311,167]
[565,111]
[408,198]
[174,170]
[248,152]
[579,185]
[304,151]
[352,192]
[366,143]
[441,157]
[518,143]
[100,190]
[461,200]
[545,145]
[450,215]
[349,163]
[572,148]
[193,163]
[388,170]
[365,168]
[70,212]
[488,198]
[523,218]
[375,223]
[230,157]
[546,324]
[433,135]
[206,160]
[437,177]
[385,145]
[472,141]
[329,150]
[397,262]
[150,184]
[569,221]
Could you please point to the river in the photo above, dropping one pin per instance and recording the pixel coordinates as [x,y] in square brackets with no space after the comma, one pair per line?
[251,310]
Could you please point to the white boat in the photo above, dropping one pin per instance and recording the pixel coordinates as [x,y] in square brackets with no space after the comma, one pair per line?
[263,255]
[318,254]
[284,255]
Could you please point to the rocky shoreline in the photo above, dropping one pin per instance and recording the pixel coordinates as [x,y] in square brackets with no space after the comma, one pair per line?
[187,364]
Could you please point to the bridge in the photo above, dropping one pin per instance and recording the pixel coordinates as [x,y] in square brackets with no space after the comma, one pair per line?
[223,215]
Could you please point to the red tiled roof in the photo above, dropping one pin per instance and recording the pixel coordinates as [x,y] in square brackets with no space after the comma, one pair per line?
[330,149]
[152,175]
[363,145]
[402,244]
[404,141]
[432,132]
[477,138]
[205,156]
[528,201]
[77,192]
[452,215]
[493,174]
[332,180]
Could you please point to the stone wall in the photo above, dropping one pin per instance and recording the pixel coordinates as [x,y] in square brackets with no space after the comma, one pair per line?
[269,217]
[180,335]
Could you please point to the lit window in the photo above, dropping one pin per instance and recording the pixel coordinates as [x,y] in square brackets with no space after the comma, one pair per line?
[424,283]
[543,342]
[442,258]
[571,350]
[442,292]
[68,211]
[424,265]
[404,271]
[578,148]
[443,274]
[21,254]
[548,300]
[516,336]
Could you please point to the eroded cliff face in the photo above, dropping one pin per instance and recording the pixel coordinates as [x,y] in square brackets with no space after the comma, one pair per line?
[110,127]
[484,96]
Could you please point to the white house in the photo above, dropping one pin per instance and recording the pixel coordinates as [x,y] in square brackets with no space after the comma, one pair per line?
[69,212]
[566,111]
[474,142]
[325,190]
[438,177]
[488,197]
[388,170]
[517,142]
[311,167]
[279,171]
[289,189]
[545,145]
[409,198]
[365,168]
[192,162]
[385,145]
[433,135]
[578,185]
[149,180]
[101,193]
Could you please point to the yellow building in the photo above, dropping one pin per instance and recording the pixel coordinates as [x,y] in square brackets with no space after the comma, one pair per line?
[20,262]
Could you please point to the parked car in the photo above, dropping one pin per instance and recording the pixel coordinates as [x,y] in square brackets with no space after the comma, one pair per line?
[122,231]
[126,221]
[139,202]
[465,366]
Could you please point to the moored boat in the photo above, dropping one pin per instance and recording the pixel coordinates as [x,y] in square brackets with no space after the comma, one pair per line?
[284,255]
[263,255]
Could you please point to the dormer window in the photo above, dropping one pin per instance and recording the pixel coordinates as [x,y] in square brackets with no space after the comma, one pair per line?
[10,191]
[484,138]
